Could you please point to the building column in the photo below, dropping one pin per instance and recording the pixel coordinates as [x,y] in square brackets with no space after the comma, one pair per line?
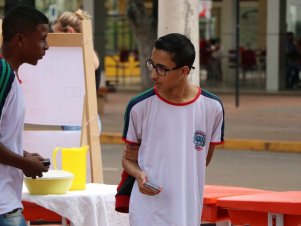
[99,29]
[228,37]
[97,10]
[275,59]
[262,26]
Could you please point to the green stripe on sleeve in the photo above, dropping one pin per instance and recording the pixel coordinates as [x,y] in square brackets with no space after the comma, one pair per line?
[4,78]
[3,72]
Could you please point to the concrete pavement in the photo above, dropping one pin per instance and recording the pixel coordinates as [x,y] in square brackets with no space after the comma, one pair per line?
[275,171]
[262,122]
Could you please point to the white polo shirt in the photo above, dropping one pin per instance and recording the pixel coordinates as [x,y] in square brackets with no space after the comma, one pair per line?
[174,143]
[12,112]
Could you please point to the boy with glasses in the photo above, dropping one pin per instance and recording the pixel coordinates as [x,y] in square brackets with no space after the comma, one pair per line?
[175,127]
[24,32]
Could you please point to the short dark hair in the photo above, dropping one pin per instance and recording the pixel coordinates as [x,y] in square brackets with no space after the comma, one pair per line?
[21,19]
[179,46]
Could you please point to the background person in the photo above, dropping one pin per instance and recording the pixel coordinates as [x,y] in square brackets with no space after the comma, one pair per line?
[216,60]
[24,31]
[176,126]
[292,61]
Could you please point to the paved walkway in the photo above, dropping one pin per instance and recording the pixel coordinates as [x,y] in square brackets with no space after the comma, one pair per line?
[270,122]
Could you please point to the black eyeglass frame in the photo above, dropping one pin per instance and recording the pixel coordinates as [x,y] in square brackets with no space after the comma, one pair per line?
[150,65]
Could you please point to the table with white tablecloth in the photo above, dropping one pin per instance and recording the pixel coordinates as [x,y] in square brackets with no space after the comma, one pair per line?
[93,206]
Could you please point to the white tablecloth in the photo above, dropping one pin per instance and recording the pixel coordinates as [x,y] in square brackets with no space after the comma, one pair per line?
[93,206]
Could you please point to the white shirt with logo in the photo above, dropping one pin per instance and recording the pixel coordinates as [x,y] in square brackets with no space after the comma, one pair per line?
[174,143]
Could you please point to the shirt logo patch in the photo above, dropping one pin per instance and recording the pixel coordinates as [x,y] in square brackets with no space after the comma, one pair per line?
[199,140]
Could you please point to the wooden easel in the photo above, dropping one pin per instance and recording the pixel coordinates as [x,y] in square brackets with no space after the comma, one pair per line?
[89,131]
[90,135]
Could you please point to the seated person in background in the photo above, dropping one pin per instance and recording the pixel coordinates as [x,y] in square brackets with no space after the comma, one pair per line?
[70,22]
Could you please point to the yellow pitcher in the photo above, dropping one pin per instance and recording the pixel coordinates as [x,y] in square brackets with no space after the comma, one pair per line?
[74,160]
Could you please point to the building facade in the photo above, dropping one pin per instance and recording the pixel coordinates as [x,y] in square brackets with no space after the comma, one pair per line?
[263,25]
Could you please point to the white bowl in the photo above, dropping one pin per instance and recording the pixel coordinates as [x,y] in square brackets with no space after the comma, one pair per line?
[52,182]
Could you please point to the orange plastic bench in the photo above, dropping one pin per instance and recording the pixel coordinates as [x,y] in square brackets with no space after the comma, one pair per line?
[213,213]
[272,209]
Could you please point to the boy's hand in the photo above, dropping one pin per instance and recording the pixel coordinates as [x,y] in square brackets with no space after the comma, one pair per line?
[142,179]
[33,167]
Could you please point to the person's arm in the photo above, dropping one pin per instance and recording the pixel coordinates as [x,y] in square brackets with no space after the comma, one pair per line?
[218,131]
[131,151]
[133,169]
[210,153]
[30,164]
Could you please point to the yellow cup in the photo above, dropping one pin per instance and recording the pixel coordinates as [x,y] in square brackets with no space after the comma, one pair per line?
[74,160]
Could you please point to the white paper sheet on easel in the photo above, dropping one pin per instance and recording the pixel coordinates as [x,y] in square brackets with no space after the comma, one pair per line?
[55,87]
[44,142]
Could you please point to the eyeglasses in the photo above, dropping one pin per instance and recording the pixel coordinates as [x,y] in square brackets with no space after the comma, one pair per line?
[160,69]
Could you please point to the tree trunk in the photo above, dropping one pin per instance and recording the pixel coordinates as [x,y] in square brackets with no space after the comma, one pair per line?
[181,16]
[144,28]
